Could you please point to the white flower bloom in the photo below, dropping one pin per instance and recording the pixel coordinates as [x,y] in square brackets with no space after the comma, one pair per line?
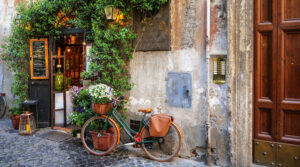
[100,91]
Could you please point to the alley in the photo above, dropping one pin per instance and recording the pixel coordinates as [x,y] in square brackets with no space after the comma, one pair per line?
[35,151]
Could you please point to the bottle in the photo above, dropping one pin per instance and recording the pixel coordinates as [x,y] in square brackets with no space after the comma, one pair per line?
[59,79]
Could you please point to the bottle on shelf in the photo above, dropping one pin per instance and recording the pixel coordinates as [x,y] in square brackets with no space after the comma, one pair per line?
[59,79]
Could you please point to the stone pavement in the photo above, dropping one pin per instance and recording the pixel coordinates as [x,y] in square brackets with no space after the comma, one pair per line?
[16,150]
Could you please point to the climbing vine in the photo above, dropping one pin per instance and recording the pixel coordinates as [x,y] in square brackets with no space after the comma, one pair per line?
[112,42]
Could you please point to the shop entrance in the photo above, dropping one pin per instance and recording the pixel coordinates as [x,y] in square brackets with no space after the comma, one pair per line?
[67,63]
[277,80]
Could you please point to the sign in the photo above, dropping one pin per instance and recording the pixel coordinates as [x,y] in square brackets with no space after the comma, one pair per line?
[39,58]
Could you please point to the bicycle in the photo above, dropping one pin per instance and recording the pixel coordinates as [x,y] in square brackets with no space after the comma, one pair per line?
[2,105]
[157,148]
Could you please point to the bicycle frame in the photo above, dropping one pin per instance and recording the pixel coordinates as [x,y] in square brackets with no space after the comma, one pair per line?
[125,126]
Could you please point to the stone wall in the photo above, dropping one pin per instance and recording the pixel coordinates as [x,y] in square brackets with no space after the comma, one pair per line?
[149,74]
[217,93]
[7,11]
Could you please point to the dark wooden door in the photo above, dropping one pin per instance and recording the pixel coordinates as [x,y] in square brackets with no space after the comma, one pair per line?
[277,72]
[39,89]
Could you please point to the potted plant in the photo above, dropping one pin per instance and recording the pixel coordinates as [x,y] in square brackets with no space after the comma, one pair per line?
[81,108]
[15,113]
[104,141]
[101,96]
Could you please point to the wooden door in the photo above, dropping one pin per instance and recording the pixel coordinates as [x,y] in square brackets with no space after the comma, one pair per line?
[277,75]
[39,82]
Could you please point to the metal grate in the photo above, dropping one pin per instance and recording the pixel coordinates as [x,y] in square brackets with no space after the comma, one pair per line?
[135,124]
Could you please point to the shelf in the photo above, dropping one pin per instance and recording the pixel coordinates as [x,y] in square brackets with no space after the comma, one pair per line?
[61,109]
[54,92]
[57,57]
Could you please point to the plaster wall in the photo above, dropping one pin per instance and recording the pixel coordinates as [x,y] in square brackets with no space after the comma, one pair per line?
[188,54]
[240,85]
[7,11]
[217,93]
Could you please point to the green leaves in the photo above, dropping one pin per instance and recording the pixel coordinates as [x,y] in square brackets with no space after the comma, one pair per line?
[112,42]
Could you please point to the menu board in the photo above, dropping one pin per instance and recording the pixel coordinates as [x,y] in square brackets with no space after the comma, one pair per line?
[39,58]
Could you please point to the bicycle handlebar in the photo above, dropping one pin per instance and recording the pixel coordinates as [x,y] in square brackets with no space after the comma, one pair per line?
[118,99]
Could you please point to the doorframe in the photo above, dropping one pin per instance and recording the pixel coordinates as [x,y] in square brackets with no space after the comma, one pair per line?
[240,80]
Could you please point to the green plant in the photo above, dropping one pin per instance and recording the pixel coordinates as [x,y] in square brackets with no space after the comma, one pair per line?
[101,93]
[97,125]
[87,75]
[15,111]
[112,42]
[81,106]
[83,99]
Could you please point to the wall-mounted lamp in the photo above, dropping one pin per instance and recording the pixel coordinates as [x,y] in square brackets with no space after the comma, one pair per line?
[219,70]
[111,13]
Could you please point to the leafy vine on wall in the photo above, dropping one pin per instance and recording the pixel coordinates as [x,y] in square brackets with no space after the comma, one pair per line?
[112,42]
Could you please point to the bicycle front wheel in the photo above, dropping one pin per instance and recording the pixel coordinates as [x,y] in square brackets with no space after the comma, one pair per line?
[165,148]
[2,106]
[100,144]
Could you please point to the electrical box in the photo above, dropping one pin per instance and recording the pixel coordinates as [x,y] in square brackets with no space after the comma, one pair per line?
[179,90]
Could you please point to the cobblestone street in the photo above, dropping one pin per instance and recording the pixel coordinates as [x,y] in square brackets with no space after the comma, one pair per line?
[33,150]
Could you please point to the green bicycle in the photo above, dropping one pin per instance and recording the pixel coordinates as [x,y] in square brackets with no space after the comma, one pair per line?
[101,134]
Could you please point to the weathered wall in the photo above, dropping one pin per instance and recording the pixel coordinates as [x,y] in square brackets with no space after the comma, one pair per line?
[149,72]
[240,56]
[7,11]
[217,93]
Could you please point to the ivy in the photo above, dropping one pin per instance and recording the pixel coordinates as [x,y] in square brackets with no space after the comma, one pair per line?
[112,42]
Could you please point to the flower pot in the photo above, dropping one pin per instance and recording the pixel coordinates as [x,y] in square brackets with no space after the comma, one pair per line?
[15,119]
[101,108]
[103,142]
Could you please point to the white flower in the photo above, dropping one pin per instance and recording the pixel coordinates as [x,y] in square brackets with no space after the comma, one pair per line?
[100,91]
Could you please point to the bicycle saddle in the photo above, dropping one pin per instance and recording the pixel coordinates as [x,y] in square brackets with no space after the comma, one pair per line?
[145,110]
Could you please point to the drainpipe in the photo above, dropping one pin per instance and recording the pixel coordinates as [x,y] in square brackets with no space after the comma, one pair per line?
[208,128]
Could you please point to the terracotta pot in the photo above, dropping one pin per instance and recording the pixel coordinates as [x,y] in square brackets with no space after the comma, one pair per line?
[103,142]
[101,108]
[15,119]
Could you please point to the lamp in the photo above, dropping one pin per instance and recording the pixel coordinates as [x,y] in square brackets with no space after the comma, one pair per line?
[111,13]
[27,124]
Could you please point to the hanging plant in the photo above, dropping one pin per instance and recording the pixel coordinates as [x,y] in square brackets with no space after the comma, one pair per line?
[112,41]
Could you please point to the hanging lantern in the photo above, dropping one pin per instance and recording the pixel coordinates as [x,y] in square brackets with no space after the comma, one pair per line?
[27,124]
[111,13]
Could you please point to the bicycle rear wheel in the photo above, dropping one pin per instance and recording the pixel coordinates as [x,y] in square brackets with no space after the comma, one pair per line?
[103,144]
[2,106]
[166,147]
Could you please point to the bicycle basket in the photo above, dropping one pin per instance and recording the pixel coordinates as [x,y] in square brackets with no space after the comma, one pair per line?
[101,108]
[159,125]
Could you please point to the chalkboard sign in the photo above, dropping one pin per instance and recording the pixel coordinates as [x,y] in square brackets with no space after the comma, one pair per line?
[39,58]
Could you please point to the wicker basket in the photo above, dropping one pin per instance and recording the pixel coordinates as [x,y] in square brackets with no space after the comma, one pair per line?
[103,142]
[101,108]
